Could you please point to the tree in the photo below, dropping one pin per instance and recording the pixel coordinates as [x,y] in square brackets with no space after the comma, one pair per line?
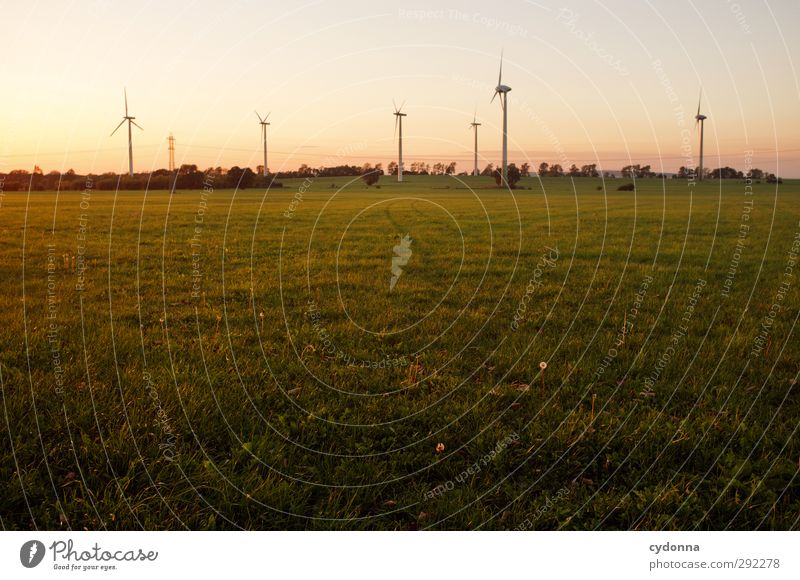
[371,177]
[574,171]
[555,170]
[240,178]
[590,170]
[512,176]
[525,170]
[391,169]
[451,168]
[544,168]
[488,170]
[726,173]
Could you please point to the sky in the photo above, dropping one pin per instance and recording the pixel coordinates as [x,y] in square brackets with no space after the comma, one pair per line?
[611,82]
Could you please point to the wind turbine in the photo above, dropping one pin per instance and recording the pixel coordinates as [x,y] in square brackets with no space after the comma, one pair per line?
[475,126]
[264,124]
[503,90]
[130,121]
[398,120]
[699,119]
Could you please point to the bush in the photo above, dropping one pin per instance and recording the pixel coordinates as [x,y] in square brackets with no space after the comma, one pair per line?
[626,187]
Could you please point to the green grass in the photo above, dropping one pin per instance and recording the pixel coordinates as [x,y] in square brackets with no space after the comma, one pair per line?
[229,409]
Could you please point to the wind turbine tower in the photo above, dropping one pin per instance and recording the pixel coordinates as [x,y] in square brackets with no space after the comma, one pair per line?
[503,91]
[398,121]
[699,120]
[263,123]
[130,121]
[475,126]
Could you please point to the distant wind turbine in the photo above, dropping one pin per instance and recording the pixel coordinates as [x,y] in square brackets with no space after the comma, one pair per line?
[503,90]
[398,120]
[130,121]
[264,124]
[699,119]
[475,126]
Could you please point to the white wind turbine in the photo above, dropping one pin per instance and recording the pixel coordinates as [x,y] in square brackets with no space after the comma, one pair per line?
[698,122]
[475,126]
[263,123]
[398,120]
[503,90]
[130,121]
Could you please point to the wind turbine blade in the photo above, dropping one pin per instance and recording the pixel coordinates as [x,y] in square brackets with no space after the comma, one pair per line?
[698,101]
[260,120]
[126,100]
[118,126]
[395,106]
[403,104]
[493,96]
[135,123]
[500,76]
[267,117]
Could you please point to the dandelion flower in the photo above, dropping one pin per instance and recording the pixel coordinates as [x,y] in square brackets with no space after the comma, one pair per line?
[439,447]
[542,365]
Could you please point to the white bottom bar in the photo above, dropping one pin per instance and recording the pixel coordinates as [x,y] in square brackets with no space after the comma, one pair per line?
[382,555]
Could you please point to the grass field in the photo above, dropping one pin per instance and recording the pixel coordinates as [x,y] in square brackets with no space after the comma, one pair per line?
[221,359]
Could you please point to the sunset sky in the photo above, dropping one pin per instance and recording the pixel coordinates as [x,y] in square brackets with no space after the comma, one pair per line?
[592,82]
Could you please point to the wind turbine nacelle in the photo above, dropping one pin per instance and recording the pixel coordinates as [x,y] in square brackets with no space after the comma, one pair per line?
[503,88]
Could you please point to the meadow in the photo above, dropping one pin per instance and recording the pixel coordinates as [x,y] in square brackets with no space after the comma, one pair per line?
[224,359]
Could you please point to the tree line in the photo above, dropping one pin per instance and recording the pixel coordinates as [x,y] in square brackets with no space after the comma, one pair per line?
[189,176]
